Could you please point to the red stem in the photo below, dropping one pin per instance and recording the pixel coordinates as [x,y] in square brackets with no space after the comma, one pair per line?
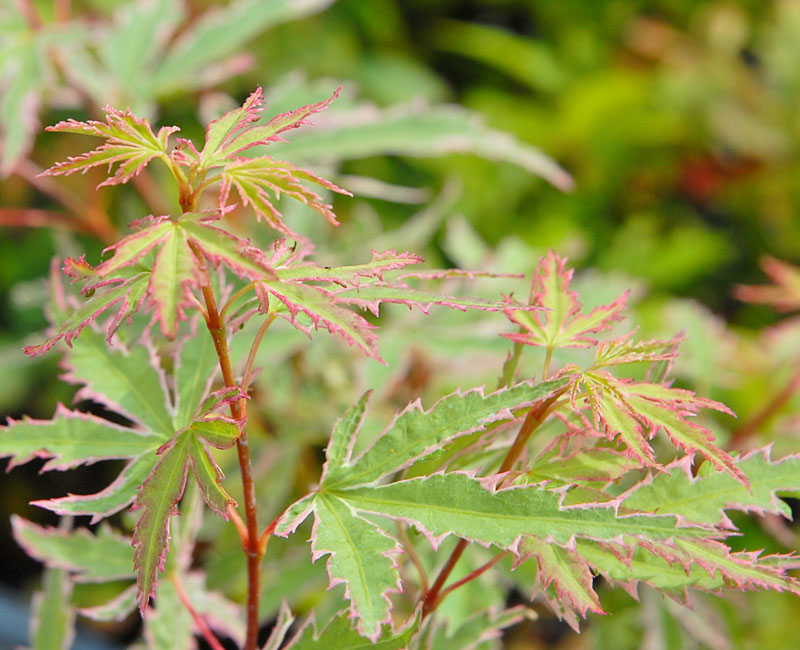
[535,417]
[208,635]
[251,546]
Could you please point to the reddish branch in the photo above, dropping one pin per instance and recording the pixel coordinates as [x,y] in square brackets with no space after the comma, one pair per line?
[208,635]
[216,327]
[533,420]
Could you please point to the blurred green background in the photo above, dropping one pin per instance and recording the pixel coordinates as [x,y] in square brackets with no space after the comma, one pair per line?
[677,120]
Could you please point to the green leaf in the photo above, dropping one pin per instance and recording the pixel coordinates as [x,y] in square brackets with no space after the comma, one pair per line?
[53,617]
[117,609]
[194,370]
[359,557]
[128,296]
[255,179]
[704,499]
[109,500]
[130,142]
[416,131]
[158,498]
[169,625]
[220,33]
[209,477]
[92,558]
[561,323]
[126,381]
[415,433]
[346,429]
[566,571]
[340,635]
[71,439]
[457,504]
[174,272]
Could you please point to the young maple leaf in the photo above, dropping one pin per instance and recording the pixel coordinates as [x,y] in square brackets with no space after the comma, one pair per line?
[131,280]
[784,295]
[309,295]
[130,142]
[257,179]
[561,323]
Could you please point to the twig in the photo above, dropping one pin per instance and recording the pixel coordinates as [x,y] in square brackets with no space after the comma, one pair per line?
[252,549]
[208,635]
[535,417]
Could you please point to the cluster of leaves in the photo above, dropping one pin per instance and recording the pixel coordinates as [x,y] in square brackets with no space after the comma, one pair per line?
[603,495]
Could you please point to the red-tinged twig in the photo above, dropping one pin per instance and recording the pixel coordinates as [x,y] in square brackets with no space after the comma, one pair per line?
[216,327]
[753,424]
[474,574]
[236,295]
[412,555]
[206,631]
[239,524]
[251,358]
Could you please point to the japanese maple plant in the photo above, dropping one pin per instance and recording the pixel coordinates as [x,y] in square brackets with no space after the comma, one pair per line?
[596,467]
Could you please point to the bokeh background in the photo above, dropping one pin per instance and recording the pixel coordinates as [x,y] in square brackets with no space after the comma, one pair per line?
[676,120]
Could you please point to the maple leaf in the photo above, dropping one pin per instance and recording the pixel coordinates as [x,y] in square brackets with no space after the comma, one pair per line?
[323,295]
[441,504]
[130,143]
[156,267]
[258,180]
[561,323]
[636,411]
[170,437]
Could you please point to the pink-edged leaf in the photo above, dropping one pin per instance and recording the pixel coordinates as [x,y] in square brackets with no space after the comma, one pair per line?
[339,634]
[295,515]
[459,504]
[219,432]
[269,132]
[566,571]
[705,498]
[281,627]
[128,381]
[592,465]
[784,294]
[360,557]
[130,142]
[220,246]
[134,247]
[344,435]
[624,350]
[91,558]
[221,132]
[371,296]
[257,179]
[175,272]
[415,432]
[209,477]
[351,275]
[219,399]
[742,570]
[110,500]
[158,499]
[320,307]
[670,415]
[561,324]
[613,418]
[53,616]
[128,296]
[115,610]
[71,439]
